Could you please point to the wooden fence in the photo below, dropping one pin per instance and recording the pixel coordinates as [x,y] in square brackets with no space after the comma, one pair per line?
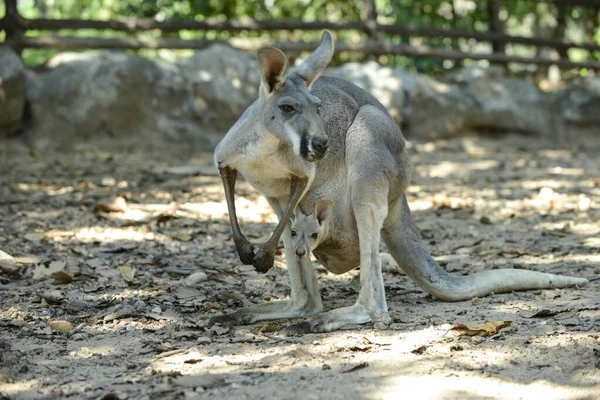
[16,28]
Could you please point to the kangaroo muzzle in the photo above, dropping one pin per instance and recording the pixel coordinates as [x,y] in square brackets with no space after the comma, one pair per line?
[317,148]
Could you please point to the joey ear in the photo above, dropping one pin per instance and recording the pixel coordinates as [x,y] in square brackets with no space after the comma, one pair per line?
[297,212]
[323,210]
[273,66]
[317,61]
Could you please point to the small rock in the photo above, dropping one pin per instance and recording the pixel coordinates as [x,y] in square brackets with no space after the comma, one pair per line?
[325,367]
[477,339]
[78,305]
[476,301]
[108,181]
[203,340]
[61,326]
[116,204]
[485,220]
[195,278]
[157,310]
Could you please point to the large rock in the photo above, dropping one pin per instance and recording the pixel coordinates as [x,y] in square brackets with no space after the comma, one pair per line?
[222,82]
[393,87]
[12,91]
[499,103]
[578,107]
[469,99]
[125,96]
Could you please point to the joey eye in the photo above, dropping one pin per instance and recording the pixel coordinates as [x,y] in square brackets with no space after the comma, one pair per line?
[286,108]
[293,233]
[314,235]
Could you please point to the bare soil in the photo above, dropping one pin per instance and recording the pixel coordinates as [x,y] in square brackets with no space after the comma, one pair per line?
[114,305]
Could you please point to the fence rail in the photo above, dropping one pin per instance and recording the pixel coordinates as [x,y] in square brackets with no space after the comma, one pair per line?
[16,28]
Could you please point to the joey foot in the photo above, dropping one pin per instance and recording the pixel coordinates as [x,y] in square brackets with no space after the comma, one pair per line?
[245,250]
[264,258]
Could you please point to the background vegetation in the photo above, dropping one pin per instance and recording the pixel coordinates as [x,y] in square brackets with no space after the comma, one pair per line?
[519,17]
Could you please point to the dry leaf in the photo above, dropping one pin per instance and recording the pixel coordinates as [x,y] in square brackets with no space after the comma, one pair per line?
[61,278]
[353,367]
[127,272]
[43,270]
[205,381]
[61,326]
[485,329]
[419,350]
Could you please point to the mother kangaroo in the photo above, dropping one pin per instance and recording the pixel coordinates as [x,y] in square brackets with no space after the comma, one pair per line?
[308,138]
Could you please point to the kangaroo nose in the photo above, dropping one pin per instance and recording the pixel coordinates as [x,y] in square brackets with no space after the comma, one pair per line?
[319,145]
[300,252]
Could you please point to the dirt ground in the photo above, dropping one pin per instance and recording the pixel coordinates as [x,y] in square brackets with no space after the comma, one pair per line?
[114,305]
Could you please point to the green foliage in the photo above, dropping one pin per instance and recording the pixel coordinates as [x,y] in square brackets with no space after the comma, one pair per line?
[519,17]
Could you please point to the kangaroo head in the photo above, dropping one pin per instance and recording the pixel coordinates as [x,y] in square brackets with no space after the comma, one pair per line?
[288,110]
[308,231]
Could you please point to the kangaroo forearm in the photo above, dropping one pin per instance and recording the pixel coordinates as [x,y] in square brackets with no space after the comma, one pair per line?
[243,246]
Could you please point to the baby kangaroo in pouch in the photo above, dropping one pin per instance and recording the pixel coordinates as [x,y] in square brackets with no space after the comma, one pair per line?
[307,138]
[309,231]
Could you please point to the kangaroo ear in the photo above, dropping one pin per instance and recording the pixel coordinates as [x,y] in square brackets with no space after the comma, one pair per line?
[323,210]
[316,63]
[273,66]
[297,212]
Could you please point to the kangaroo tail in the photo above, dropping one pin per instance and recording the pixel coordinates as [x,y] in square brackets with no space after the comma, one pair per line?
[406,246]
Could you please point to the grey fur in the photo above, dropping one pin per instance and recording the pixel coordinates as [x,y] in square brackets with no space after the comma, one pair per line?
[366,171]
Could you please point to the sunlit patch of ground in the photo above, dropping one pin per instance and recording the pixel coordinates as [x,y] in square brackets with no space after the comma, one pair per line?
[137,287]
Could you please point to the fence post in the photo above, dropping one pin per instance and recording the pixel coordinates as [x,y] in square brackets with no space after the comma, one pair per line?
[496,25]
[371,23]
[13,27]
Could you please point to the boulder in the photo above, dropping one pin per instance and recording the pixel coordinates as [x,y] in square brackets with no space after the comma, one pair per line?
[125,96]
[466,100]
[502,104]
[393,87]
[12,91]
[577,106]
[222,83]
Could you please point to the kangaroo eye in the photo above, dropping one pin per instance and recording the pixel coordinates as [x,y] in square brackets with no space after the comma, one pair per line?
[293,233]
[286,108]
[314,235]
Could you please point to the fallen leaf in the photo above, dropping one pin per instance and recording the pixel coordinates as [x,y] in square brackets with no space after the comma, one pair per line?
[485,329]
[419,350]
[8,264]
[61,326]
[206,381]
[353,367]
[127,272]
[542,313]
[43,270]
[61,278]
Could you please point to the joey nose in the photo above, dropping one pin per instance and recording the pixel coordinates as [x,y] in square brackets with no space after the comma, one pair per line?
[300,252]
[319,145]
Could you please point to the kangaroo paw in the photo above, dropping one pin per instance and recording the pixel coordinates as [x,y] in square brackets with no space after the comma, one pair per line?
[264,258]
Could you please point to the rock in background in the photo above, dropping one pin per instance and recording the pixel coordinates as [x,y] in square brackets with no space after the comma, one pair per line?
[120,95]
[12,91]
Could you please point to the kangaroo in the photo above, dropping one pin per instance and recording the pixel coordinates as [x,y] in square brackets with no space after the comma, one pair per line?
[309,231]
[308,138]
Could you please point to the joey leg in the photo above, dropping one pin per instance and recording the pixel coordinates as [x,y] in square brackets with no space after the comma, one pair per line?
[264,256]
